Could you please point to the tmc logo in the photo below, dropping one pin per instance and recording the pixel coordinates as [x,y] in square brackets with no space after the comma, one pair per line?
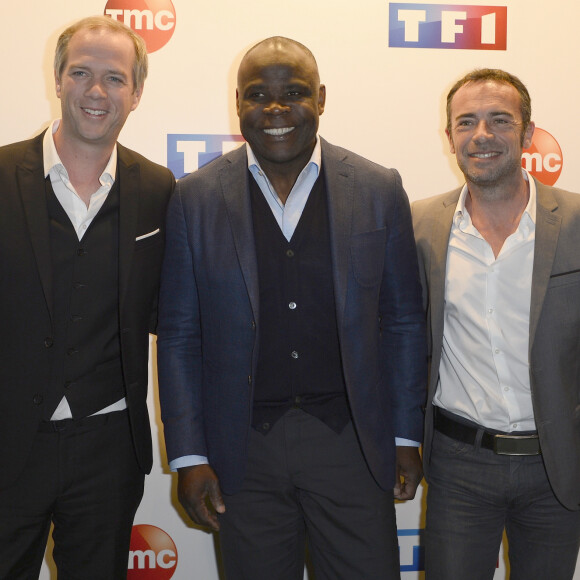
[543,159]
[153,555]
[447,26]
[187,153]
[153,20]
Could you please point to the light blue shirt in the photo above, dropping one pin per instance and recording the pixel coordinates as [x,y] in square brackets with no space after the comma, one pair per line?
[288,215]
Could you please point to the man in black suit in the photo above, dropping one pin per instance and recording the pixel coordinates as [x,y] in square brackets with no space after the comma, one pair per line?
[81,242]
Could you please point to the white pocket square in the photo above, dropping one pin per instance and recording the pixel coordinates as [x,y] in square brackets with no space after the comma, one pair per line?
[147,235]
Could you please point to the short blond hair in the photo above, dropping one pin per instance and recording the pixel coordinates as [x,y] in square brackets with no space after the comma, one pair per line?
[140,65]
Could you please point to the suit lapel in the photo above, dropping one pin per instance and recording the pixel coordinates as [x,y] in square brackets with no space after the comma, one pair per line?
[129,176]
[547,231]
[236,192]
[437,263]
[30,177]
[339,177]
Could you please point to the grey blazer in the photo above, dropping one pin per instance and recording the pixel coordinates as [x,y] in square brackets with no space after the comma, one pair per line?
[554,346]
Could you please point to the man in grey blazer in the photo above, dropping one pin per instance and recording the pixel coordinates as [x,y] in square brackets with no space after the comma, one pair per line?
[500,266]
[291,339]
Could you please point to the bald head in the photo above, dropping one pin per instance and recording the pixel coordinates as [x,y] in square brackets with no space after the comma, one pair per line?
[277,49]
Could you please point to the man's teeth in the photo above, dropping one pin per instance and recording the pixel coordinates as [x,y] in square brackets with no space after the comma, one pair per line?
[484,155]
[278,132]
[95,111]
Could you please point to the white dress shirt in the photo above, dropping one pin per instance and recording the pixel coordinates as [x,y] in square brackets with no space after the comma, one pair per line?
[484,369]
[80,216]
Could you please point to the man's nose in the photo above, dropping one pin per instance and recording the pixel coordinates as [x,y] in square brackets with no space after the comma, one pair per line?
[276,107]
[96,89]
[482,130]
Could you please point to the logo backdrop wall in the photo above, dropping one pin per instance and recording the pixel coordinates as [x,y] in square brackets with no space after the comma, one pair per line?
[386,77]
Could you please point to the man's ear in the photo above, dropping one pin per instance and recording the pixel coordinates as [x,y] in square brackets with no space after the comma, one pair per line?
[450,139]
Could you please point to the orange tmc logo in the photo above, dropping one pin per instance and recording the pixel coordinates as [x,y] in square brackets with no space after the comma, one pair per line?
[543,159]
[153,554]
[153,20]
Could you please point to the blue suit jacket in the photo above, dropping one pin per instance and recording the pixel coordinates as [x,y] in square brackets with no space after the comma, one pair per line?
[209,320]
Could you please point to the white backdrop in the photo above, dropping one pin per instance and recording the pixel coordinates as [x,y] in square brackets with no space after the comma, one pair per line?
[385,103]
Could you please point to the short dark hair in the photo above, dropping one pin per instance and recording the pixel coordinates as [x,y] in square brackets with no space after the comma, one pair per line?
[499,76]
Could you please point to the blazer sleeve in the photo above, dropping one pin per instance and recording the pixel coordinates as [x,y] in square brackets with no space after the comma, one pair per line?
[403,335]
[179,341]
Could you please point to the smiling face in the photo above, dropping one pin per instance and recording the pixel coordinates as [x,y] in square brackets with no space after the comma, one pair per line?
[487,135]
[96,88]
[279,100]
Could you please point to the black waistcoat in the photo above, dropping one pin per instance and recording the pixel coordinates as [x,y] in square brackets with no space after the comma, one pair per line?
[299,361]
[86,354]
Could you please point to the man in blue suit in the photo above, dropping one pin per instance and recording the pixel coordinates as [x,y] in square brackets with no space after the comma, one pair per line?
[291,339]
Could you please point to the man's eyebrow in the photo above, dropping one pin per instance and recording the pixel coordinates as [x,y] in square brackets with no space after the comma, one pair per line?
[116,73]
[492,113]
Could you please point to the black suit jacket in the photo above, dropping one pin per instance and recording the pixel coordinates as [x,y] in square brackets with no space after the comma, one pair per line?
[26,290]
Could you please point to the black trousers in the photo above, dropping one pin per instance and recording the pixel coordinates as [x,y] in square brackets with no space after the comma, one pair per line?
[307,484]
[86,481]
[474,495]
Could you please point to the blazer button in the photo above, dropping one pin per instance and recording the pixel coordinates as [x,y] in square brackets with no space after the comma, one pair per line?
[37,399]
[48,342]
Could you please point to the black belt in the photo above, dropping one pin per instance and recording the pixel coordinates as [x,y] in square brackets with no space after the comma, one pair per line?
[502,444]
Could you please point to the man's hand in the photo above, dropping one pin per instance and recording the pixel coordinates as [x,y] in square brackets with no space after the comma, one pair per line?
[409,472]
[196,485]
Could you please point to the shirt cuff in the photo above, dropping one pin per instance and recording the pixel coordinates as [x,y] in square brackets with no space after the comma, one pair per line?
[400,442]
[187,461]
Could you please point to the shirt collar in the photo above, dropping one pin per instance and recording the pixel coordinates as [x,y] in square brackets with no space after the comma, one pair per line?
[461,213]
[52,160]
[315,158]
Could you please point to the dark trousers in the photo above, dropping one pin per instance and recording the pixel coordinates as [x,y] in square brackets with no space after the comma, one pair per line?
[85,479]
[307,484]
[473,495]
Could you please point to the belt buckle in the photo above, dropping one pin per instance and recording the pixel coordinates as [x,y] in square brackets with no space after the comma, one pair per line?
[516,445]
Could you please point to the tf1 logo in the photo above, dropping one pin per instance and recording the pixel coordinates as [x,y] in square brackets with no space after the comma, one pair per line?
[447,26]
[411,551]
[187,153]
[153,555]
